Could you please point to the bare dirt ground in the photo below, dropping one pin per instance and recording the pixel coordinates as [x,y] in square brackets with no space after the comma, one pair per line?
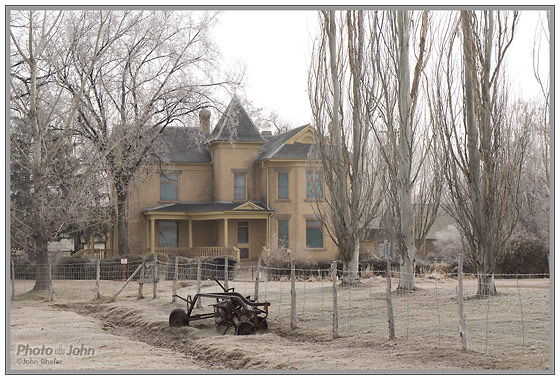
[506,332]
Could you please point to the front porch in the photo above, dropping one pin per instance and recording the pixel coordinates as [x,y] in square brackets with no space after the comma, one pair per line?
[239,231]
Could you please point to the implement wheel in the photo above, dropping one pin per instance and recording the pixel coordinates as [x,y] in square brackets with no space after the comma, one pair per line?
[246,328]
[262,323]
[178,318]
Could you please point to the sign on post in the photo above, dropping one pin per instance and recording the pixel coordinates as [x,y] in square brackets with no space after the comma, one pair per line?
[124,262]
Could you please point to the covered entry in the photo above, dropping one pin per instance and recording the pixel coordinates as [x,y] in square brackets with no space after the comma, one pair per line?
[202,229]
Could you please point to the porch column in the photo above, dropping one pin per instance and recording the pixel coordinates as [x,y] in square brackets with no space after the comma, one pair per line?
[267,244]
[190,234]
[148,221]
[226,232]
[152,235]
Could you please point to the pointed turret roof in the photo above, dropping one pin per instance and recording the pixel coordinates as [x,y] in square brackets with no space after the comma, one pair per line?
[236,125]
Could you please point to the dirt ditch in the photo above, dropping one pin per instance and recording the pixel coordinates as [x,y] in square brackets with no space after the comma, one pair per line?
[281,348]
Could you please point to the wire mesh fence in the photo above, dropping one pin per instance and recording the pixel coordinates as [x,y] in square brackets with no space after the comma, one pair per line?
[515,320]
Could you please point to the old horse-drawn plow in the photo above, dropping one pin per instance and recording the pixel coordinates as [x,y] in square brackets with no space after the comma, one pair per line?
[230,310]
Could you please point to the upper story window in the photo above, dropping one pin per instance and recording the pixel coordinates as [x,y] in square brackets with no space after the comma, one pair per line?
[283,186]
[168,186]
[240,186]
[314,185]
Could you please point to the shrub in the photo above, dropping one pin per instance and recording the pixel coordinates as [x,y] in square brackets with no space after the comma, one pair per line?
[524,255]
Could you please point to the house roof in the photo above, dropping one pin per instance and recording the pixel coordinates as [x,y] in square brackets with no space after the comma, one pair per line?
[190,144]
[181,144]
[194,207]
[276,147]
[236,125]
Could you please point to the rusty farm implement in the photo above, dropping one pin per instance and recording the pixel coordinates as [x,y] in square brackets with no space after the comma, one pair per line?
[231,309]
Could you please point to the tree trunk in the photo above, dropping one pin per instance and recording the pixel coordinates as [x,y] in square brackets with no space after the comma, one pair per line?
[41,262]
[122,220]
[406,275]
[486,284]
[408,249]
[350,269]
[77,240]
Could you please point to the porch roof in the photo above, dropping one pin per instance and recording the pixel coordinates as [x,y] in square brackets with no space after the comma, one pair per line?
[204,207]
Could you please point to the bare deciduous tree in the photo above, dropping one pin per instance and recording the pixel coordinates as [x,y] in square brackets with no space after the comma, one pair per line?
[160,71]
[344,146]
[406,144]
[53,179]
[483,149]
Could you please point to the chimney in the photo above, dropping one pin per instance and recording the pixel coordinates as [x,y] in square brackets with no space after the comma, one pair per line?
[204,117]
[266,133]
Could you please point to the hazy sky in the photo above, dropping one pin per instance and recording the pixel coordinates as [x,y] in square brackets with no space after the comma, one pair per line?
[276,46]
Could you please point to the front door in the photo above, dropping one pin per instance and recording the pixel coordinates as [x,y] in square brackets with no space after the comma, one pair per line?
[243,239]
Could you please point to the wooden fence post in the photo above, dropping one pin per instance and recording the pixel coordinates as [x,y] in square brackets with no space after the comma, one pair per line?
[335,300]
[175,275]
[97,277]
[390,317]
[462,326]
[198,281]
[126,283]
[50,282]
[293,293]
[155,277]
[226,272]
[13,280]
[258,279]
[140,282]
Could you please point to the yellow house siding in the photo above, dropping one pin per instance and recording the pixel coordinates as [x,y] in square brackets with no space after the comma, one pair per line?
[195,184]
[228,157]
[297,209]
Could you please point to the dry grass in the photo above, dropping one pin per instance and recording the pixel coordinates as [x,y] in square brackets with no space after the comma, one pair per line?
[426,324]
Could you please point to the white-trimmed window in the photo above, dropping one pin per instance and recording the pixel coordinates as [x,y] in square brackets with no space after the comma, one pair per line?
[240,186]
[313,233]
[314,185]
[283,233]
[168,186]
[283,186]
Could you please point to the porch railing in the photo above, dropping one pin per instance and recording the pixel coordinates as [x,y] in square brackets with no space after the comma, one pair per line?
[232,252]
